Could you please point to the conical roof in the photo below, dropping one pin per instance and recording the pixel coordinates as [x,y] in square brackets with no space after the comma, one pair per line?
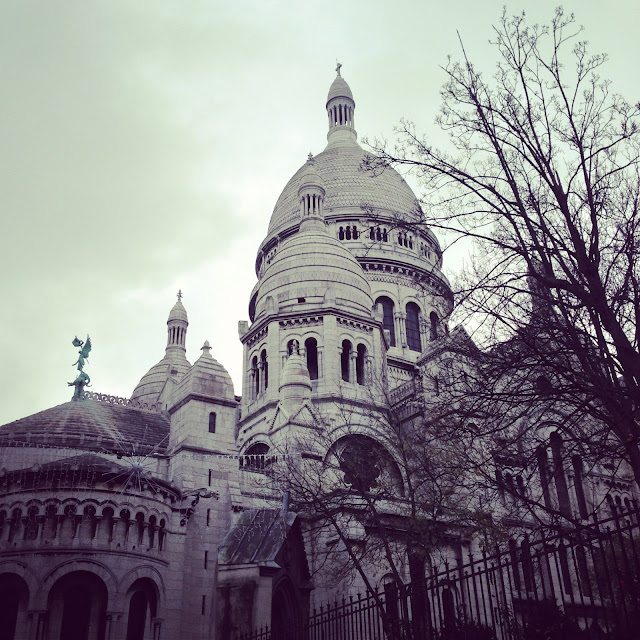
[207,377]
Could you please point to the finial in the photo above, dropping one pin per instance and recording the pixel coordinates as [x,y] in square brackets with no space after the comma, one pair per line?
[310,157]
[179,295]
[205,348]
[338,67]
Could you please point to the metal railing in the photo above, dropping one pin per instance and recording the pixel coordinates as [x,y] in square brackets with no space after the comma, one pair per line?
[580,583]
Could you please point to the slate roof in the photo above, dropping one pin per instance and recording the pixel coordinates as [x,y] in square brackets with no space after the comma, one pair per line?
[257,537]
[92,425]
[84,461]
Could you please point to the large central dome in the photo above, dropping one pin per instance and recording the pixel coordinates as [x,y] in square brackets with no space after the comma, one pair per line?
[348,188]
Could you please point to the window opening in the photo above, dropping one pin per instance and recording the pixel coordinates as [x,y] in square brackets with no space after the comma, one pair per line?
[387,317]
[255,374]
[433,325]
[265,364]
[413,327]
[311,348]
[361,358]
[212,422]
[345,360]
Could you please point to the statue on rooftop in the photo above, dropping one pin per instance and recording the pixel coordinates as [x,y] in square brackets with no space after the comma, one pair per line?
[83,379]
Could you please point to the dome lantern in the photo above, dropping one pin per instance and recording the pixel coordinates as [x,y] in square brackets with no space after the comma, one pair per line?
[177,324]
[340,111]
[311,193]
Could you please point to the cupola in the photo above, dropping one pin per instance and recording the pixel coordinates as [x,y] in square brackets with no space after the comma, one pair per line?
[177,324]
[311,193]
[340,110]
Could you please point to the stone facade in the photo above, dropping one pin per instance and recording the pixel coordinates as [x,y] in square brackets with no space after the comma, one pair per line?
[149,518]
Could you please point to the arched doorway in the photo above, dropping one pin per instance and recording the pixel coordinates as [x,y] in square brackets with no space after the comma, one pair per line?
[77,605]
[14,598]
[285,611]
[143,602]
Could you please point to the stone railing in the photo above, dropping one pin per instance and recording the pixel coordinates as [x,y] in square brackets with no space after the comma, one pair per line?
[106,398]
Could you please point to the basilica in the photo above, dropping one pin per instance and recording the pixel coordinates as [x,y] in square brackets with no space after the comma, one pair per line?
[148,518]
[140,518]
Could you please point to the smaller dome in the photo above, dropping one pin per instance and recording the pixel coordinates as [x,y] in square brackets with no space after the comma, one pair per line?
[178,312]
[339,89]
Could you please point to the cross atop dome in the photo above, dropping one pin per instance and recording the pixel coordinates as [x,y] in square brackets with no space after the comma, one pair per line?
[340,108]
[179,295]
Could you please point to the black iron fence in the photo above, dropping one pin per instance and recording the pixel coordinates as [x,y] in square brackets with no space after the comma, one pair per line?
[583,583]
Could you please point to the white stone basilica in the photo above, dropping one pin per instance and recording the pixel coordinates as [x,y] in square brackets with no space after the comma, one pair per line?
[141,518]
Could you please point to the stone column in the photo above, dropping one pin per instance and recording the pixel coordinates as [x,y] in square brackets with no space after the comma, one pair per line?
[401,329]
[38,618]
[157,627]
[112,625]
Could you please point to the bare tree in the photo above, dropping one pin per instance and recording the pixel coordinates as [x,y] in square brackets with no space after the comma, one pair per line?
[543,176]
[381,496]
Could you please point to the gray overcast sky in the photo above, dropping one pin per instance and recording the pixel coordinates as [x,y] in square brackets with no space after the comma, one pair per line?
[143,146]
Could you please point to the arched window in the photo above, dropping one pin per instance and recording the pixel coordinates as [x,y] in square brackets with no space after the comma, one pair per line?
[341,233]
[413,327]
[212,422]
[345,360]
[361,359]
[141,526]
[433,325]
[347,233]
[355,232]
[372,234]
[311,348]
[255,457]
[387,317]
[385,237]
[256,376]
[265,368]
